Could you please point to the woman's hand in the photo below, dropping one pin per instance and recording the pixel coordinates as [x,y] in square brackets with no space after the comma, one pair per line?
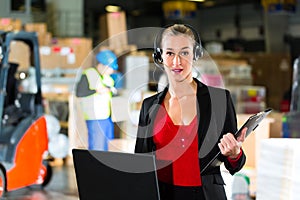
[230,146]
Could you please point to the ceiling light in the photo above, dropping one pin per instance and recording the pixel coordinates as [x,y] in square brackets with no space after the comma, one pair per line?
[197,0]
[209,3]
[112,8]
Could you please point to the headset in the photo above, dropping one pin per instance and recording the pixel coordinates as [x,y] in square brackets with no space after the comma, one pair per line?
[198,50]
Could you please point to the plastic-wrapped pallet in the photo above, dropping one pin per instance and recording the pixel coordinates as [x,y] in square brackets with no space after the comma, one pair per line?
[278,169]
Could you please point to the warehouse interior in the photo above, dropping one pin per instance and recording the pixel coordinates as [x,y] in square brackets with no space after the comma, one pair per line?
[253,48]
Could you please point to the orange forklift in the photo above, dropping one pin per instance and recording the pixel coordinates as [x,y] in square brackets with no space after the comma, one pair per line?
[23,131]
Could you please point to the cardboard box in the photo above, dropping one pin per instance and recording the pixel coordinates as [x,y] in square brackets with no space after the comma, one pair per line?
[251,145]
[272,70]
[20,53]
[44,36]
[276,126]
[113,30]
[36,27]
[67,53]
[10,24]
[49,58]
[57,57]
[82,49]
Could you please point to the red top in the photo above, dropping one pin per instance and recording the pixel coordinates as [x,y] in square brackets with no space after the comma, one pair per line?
[176,151]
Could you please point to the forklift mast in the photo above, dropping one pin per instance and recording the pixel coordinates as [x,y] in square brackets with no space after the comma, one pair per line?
[31,39]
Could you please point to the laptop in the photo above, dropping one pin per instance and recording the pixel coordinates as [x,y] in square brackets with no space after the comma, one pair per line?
[104,175]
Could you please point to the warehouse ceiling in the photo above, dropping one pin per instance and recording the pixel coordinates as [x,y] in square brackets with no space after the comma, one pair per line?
[153,7]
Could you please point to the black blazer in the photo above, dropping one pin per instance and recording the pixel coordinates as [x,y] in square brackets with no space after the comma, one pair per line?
[216,117]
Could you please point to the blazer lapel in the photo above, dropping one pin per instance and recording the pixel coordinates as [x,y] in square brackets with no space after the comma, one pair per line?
[155,107]
[204,114]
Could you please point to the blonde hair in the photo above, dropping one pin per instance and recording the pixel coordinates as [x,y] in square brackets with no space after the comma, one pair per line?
[178,29]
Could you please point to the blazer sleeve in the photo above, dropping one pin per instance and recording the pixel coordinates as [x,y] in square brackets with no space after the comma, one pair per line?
[231,126]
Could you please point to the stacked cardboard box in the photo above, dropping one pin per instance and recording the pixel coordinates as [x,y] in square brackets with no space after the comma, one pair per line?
[44,36]
[67,53]
[271,70]
[10,24]
[20,54]
[82,48]
[113,30]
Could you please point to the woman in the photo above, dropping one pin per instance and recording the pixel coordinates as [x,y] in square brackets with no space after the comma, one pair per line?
[188,123]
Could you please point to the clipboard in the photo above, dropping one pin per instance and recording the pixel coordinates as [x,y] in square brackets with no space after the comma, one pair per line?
[251,123]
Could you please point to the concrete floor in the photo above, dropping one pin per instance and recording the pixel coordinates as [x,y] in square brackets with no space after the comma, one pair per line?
[62,186]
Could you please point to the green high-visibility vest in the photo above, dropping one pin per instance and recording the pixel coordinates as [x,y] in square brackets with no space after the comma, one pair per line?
[97,106]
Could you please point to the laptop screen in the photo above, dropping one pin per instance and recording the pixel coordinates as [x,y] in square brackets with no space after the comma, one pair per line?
[115,175]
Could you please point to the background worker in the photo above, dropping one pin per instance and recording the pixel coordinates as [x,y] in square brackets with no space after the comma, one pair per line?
[95,89]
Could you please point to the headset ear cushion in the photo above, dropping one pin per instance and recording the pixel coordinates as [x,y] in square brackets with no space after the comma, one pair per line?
[198,52]
[157,56]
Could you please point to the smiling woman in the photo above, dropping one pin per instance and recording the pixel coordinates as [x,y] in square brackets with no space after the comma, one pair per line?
[187,123]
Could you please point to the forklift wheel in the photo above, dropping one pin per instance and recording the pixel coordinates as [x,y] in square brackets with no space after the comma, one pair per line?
[48,175]
[2,181]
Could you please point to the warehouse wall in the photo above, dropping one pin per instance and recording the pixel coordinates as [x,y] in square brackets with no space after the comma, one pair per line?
[254,24]
[5,11]
[65,18]
[223,19]
[251,19]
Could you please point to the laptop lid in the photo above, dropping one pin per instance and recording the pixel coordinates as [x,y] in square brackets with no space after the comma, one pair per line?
[115,175]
